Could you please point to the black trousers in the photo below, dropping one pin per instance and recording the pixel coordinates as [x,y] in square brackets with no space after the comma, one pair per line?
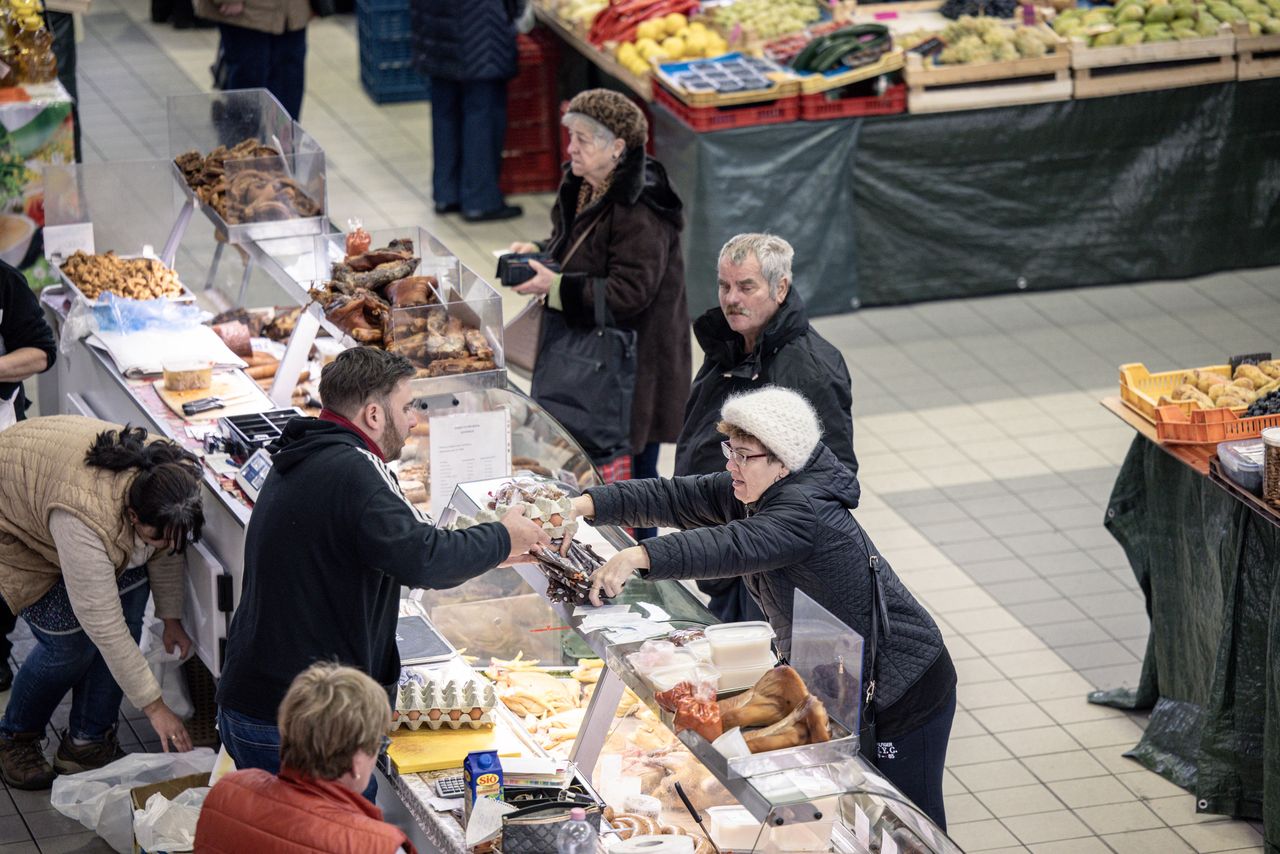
[62,27]
[251,59]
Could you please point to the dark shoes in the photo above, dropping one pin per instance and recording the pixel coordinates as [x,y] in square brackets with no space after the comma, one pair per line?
[504,212]
[22,762]
[441,210]
[73,758]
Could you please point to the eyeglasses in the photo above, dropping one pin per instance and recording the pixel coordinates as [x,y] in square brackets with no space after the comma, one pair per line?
[738,456]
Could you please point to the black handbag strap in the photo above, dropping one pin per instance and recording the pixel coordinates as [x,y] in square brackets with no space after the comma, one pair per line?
[582,801]
[879,623]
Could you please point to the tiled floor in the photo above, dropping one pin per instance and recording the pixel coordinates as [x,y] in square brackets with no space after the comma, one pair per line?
[986,463]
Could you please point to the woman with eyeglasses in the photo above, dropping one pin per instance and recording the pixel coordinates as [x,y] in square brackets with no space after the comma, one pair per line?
[779,516]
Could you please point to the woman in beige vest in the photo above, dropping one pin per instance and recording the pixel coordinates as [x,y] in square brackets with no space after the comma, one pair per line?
[93,518]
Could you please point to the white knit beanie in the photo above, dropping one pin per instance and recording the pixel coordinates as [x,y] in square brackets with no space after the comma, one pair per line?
[781,419]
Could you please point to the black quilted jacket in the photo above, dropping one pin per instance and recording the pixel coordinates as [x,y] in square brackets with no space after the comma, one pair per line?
[467,40]
[798,535]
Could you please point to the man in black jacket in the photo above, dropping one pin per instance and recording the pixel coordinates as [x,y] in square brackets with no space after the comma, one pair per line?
[331,540]
[27,348]
[760,335]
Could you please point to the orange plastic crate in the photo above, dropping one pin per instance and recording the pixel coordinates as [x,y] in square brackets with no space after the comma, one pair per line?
[1141,390]
[1208,426]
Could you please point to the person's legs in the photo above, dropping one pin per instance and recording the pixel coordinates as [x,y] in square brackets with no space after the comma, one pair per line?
[252,742]
[484,129]
[286,78]
[245,58]
[95,698]
[62,28]
[8,622]
[446,142]
[914,762]
[645,464]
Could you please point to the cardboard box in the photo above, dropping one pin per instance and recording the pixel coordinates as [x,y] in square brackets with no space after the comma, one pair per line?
[169,788]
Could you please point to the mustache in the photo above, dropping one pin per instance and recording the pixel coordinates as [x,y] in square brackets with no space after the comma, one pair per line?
[735,310]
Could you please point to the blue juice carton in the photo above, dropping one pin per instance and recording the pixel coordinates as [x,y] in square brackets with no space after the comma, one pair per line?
[482,776]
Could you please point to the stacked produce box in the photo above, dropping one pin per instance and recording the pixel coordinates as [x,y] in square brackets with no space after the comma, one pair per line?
[531,152]
[386,52]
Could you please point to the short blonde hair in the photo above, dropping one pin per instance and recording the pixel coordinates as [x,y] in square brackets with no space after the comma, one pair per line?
[330,713]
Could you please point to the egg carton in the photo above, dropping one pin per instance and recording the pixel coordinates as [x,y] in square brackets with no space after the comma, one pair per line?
[437,704]
[552,514]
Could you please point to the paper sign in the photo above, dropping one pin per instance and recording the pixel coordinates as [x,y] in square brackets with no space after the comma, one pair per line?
[62,241]
[862,827]
[465,447]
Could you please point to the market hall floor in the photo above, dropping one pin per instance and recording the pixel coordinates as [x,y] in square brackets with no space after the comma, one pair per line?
[987,499]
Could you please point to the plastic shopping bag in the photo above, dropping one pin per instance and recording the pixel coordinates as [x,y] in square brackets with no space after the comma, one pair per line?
[169,825]
[167,667]
[99,799]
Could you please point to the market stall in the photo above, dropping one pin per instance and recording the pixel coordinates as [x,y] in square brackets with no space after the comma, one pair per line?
[1204,544]
[1138,150]
[565,694]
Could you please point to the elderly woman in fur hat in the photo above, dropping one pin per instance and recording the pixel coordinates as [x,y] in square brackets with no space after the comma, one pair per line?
[779,516]
[617,219]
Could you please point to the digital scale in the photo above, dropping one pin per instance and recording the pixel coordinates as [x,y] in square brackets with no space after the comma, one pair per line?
[254,473]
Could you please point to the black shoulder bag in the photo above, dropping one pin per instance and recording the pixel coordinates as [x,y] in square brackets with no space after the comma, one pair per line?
[586,379]
[867,738]
[533,829]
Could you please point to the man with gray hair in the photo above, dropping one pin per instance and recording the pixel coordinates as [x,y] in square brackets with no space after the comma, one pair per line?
[760,335]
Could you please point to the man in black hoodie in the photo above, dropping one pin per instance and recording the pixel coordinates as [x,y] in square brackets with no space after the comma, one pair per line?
[760,335]
[331,540]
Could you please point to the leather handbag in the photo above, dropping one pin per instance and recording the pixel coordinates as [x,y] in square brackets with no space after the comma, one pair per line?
[533,829]
[522,336]
[867,730]
[586,379]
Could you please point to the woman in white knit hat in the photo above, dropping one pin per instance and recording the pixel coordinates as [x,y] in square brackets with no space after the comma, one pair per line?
[779,516]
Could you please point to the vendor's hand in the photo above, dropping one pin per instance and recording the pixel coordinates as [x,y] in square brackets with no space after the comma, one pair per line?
[173,735]
[526,535]
[540,284]
[231,10]
[608,580]
[523,248]
[580,507]
[176,636]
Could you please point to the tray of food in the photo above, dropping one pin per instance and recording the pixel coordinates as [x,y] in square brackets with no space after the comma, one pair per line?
[728,80]
[128,277]
[1192,390]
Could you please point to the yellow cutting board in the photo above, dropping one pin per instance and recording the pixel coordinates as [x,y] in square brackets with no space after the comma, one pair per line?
[438,749]
[226,384]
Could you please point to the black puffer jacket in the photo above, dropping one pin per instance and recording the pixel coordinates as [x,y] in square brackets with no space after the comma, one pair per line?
[790,354]
[471,40]
[798,535]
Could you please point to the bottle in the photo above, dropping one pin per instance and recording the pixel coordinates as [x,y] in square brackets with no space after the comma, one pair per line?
[36,62]
[576,836]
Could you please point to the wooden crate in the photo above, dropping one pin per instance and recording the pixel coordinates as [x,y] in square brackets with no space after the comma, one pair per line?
[1123,69]
[1257,56]
[940,88]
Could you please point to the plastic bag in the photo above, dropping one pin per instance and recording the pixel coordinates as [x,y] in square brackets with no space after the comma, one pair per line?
[167,668]
[117,314]
[99,799]
[169,825]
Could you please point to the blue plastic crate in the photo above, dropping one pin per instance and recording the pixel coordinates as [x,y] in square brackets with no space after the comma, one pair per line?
[386,50]
[384,23]
[392,82]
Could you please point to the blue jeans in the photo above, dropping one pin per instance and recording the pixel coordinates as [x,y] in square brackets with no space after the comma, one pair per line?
[645,464]
[250,59]
[914,762]
[468,127]
[65,662]
[255,743]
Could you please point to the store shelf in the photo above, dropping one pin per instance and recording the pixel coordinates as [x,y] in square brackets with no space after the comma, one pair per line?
[606,63]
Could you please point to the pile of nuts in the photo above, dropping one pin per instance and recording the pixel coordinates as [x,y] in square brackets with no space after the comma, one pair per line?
[132,278]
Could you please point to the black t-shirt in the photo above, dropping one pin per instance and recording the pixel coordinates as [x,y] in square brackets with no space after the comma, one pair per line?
[22,324]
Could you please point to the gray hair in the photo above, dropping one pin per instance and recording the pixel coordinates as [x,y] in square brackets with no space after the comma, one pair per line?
[772,253]
[600,134]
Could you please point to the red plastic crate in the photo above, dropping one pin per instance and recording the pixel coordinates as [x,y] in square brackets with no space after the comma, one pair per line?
[818,107]
[1208,426]
[535,135]
[706,119]
[529,171]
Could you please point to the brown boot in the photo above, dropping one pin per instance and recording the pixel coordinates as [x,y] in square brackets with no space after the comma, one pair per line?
[73,758]
[22,762]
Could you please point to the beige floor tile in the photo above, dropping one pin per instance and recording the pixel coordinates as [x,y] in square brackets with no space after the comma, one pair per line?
[964,725]
[993,775]
[1148,784]
[983,695]
[936,577]
[951,784]
[1034,742]
[1117,731]
[1012,717]
[1181,809]
[1113,759]
[1160,840]
[1119,818]
[1005,641]
[1074,710]
[974,670]
[981,835]
[1084,845]
[982,620]
[960,649]
[1091,792]
[954,475]
[1019,800]
[960,599]
[975,749]
[1054,686]
[1220,836]
[965,808]
[1046,827]
[1064,766]
[1037,663]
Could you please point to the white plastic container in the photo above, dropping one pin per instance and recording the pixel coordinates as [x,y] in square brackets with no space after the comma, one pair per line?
[666,678]
[740,678]
[700,647]
[734,829]
[735,645]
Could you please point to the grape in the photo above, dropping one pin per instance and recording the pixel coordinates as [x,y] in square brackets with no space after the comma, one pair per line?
[1268,404]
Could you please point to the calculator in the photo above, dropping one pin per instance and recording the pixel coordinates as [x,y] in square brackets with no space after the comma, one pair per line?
[450,787]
